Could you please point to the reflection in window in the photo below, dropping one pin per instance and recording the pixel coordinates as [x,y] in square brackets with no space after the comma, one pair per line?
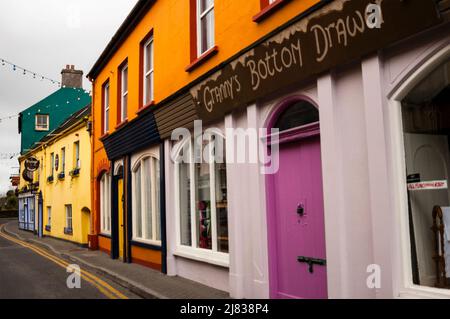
[426,125]
[203,225]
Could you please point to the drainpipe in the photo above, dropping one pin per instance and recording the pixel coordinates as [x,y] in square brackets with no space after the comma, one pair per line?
[93,232]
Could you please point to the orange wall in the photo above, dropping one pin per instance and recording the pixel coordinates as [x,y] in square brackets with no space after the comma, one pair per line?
[169,19]
[170,22]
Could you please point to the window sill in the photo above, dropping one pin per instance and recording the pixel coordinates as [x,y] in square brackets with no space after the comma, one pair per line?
[145,107]
[48,228]
[68,231]
[269,10]
[205,256]
[42,130]
[104,136]
[154,245]
[50,179]
[202,59]
[122,124]
[105,235]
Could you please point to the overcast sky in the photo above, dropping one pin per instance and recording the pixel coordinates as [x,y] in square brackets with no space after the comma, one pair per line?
[43,36]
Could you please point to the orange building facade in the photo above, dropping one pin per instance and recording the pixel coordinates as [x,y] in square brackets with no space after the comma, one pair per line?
[171,26]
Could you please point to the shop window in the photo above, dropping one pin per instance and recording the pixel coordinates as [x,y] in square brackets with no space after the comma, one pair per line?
[426,127]
[42,122]
[105,204]
[146,203]
[202,199]
[298,115]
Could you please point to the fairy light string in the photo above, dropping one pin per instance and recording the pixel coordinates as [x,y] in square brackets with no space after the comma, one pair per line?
[35,75]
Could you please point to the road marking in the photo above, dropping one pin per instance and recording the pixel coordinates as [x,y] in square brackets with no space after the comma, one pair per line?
[101,285]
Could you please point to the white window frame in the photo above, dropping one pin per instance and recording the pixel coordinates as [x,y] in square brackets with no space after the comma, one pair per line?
[212,256]
[124,94]
[106,107]
[76,149]
[49,216]
[68,209]
[155,210]
[200,16]
[105,204]
[38,126]
[148,97]
[405,287]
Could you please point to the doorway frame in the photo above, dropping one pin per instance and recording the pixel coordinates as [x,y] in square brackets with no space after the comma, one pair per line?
[295,134]
[115,233]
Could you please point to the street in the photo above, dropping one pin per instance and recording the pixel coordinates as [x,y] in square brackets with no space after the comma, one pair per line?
[25,274]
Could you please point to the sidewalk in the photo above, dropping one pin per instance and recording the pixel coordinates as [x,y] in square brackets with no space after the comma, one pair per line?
[140,280]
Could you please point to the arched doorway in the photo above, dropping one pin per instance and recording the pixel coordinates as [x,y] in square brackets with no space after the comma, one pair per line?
[296,228]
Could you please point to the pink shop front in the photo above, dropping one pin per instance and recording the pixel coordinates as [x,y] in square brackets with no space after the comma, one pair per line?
[355,200]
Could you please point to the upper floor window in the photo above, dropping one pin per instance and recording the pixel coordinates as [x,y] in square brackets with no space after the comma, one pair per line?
[148,72]
[42,122]
[76,147]
[106,102]
[52,164]
[63,159]
[205,26]
[123,106]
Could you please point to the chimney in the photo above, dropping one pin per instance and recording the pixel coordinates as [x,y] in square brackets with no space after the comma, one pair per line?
[71,78]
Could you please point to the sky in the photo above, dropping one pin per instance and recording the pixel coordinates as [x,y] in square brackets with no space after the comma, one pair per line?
[43,36]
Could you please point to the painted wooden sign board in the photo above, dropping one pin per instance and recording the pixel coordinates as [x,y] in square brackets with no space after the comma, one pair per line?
[340,32]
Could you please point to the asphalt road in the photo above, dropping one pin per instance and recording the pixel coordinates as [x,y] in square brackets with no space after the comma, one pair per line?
[27,275]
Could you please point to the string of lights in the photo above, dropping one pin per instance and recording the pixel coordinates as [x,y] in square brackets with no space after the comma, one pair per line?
[35,75]
[12,117]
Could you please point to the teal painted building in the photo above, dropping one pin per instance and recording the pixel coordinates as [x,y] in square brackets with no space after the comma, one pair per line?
[45,116]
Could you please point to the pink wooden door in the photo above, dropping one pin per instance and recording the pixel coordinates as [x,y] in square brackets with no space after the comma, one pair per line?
[296,222]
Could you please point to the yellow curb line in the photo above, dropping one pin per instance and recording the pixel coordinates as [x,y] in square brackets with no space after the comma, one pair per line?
[107,290]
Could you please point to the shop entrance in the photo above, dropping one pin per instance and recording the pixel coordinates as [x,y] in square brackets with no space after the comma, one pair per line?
[297,256]
[118,218]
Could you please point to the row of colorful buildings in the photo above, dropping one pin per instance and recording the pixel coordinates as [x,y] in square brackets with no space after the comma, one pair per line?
[333,149]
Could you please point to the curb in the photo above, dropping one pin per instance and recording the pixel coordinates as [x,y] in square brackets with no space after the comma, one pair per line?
[134,287]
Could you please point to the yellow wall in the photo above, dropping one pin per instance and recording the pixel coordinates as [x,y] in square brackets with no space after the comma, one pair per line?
[71,190]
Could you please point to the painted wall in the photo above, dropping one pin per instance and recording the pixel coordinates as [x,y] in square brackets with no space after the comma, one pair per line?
[59,106]
[71,190]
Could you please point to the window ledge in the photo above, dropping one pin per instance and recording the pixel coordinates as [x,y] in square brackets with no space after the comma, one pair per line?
[48,228]
[145,107]
[153,245]
[121,124]
[269,10]
[68,231]
[202,59]
[209,257]
[104,136]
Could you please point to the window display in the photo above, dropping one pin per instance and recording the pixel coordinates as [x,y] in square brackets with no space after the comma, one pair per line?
[426,124]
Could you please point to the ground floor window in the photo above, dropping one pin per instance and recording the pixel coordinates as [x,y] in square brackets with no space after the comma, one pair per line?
[202,205]
[146,202]
[49,216]
[426,126]
[69,218]
[105,204]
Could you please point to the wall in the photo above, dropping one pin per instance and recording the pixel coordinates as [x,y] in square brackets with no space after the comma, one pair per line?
[68,191]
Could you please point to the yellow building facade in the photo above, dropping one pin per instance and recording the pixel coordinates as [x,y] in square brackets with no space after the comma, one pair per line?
[62,181]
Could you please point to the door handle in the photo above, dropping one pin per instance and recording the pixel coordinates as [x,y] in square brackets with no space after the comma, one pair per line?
[311,262]
[301,210]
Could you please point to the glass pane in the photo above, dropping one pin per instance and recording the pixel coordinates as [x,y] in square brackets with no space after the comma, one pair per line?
[221,207]
[207,32]
[138,204]
[203,205]
[158,203]
[124,107]
[125,80]
[426,127]
[205,4]
[297,115]
[147,192]
[148,88]
[149,57]
[185,204]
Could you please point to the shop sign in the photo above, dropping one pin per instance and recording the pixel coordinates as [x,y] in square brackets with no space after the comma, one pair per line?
[32,164]
[28,176]
[340,32]
[432,185]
